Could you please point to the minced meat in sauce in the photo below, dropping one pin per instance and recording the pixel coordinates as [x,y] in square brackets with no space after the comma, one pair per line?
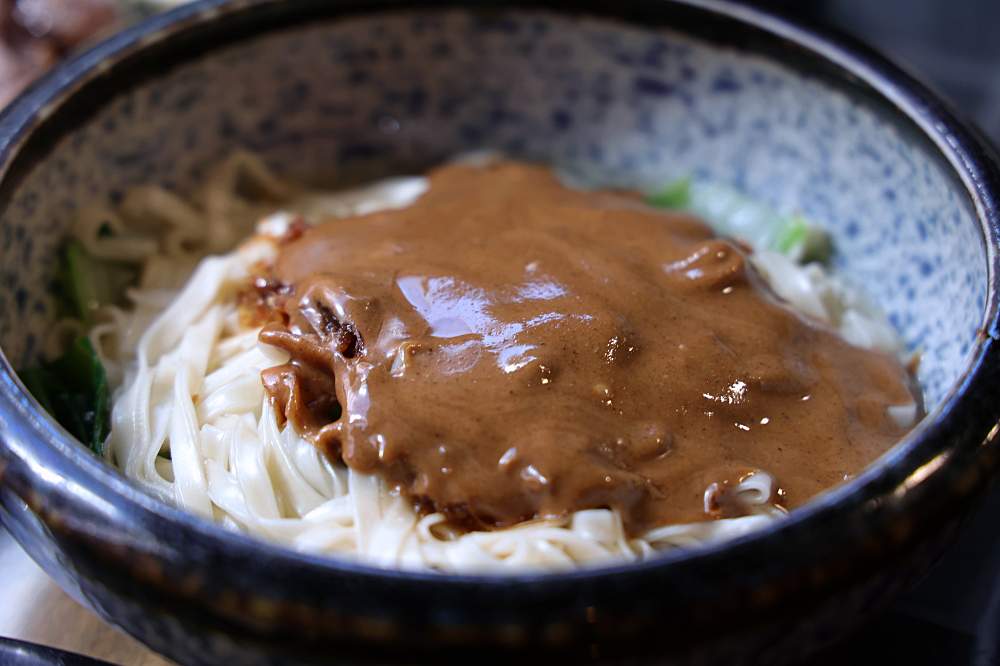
[507,348]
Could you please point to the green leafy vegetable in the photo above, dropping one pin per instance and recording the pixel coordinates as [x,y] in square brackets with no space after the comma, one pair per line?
[74,387]
[85,283]
[732,213]
[793,234]
[675,195]
[802,241]
[77,281]
[74,390]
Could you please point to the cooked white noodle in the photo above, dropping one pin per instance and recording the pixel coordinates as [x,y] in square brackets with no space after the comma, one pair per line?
[191,421]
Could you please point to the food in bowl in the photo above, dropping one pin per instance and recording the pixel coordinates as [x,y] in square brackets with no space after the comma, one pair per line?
[485,369]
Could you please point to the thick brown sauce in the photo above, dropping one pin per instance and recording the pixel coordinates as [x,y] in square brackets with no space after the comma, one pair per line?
[507,348]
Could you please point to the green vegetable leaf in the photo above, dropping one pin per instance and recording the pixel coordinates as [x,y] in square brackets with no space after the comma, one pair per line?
[74,390]
[78,280]
[37,380]
[793,235]
[85,283]
[675,195]
[732,213]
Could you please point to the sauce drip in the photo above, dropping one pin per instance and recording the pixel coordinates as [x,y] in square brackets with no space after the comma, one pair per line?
[507,348]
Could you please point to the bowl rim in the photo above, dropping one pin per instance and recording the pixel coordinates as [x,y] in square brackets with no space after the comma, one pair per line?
[908,475]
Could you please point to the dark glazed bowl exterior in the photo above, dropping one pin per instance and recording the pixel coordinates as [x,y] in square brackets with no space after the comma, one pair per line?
[200,594]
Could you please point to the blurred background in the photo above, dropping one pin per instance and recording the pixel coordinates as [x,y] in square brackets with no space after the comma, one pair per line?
[950,44]
[36,34]
[953,617]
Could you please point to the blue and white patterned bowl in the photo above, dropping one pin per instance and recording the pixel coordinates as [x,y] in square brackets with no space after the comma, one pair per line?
[627,93]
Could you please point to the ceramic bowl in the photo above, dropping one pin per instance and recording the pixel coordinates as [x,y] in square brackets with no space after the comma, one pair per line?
[627,93]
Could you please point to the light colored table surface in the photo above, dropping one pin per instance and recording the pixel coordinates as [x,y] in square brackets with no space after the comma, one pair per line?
[33,608]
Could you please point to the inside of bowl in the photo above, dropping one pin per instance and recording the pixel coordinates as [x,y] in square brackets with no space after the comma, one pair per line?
[621,105]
